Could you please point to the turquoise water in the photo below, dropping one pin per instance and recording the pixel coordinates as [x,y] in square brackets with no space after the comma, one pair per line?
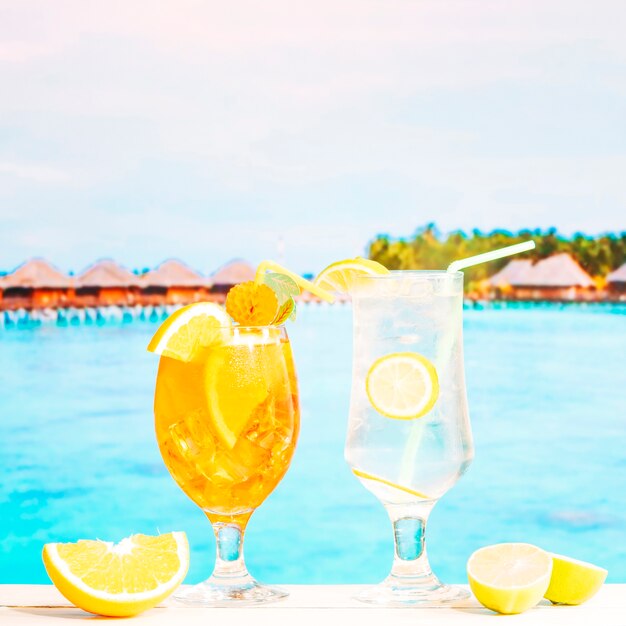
[547,394]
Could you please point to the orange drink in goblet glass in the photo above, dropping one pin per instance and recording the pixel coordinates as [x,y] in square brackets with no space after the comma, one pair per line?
[227,424]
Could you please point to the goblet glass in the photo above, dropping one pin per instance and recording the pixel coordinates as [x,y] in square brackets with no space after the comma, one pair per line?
[227,424]
[410,321]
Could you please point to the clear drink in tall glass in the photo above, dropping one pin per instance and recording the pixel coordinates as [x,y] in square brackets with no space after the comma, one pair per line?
[409,437]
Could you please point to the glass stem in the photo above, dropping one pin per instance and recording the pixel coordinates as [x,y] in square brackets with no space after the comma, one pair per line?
[410,562]
[229,563]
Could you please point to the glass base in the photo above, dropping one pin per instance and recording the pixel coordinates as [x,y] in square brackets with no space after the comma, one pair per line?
[243,591]
[397,592]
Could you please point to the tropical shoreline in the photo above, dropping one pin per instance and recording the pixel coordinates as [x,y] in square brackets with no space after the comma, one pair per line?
[110,315]
[39,287]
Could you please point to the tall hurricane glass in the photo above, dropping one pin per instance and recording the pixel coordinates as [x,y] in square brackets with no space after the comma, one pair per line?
[409,463]
[227,425]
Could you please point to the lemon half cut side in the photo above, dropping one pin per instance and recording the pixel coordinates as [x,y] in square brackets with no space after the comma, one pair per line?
[509,578]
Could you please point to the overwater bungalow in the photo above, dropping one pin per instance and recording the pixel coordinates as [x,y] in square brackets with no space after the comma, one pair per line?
[512,273]
[232,273]
[558,277]
[106,283]
[616,281]
[173,282]
[36,284]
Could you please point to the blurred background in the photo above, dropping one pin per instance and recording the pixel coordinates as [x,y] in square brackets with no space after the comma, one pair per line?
[413,132]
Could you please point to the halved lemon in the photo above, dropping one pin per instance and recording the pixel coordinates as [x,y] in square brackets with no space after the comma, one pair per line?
[402,385]
[388,483]
[187,330]
[509,577]
[340,276]
[118,580]
[573,582]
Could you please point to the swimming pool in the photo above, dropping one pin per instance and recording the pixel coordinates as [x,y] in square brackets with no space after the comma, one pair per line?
[547,394]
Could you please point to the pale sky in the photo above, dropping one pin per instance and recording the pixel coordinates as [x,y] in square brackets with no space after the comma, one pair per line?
[209,130]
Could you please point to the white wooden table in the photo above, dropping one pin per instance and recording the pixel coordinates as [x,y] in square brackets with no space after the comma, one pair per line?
[311,604]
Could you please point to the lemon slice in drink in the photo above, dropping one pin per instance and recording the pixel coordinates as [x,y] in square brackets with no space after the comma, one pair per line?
[573,582]
[388,483]
[118,580]
[187,330]
[340,276]
[237,382]
[509,577]
[403,385]
[242,380]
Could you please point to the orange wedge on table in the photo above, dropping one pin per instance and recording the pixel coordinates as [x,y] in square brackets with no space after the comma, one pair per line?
[189,329]
[118,580]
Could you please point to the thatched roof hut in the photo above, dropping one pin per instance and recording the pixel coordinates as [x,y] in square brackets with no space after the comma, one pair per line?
[106,283]
[615,281]
[36,284]
[512,273]
[559,270]
[173,282]
[616,276]
[558,277]
[234,272]
[106,273]
[37,274]
[173,273]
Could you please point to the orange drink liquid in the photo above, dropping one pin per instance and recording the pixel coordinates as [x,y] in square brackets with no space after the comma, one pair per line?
[227,422]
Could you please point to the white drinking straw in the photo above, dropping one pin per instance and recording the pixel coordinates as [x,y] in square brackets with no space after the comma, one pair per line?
[416,434]
[455,266]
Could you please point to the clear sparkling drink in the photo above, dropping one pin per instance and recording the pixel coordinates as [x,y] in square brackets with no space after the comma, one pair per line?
[409,438]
